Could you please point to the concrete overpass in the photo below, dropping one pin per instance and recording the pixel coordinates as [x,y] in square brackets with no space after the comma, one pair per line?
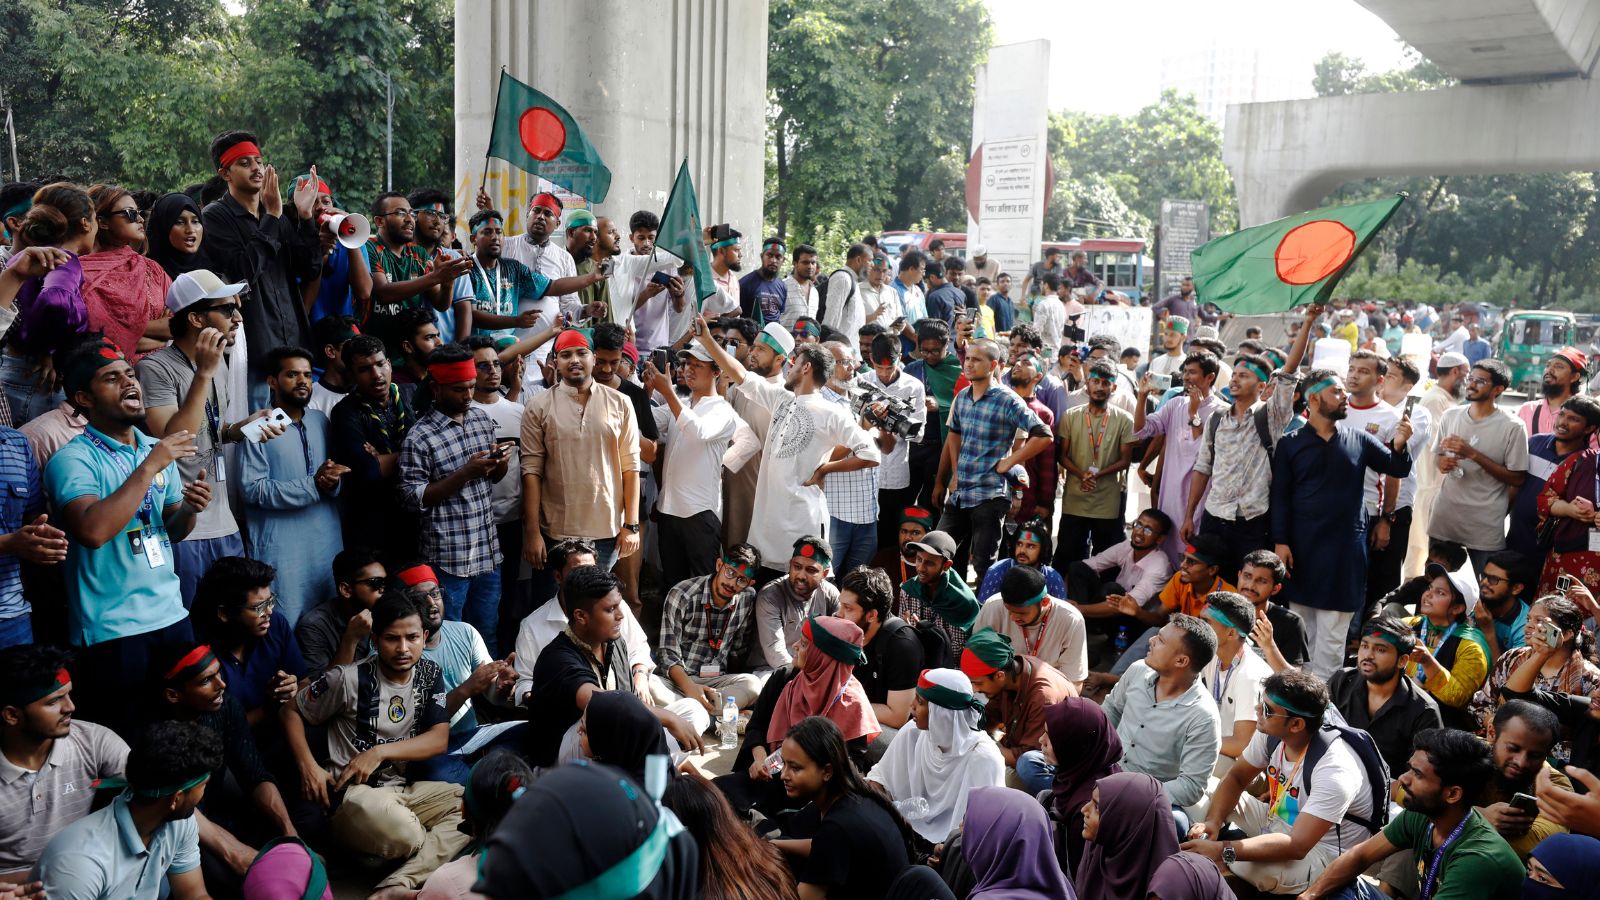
[1526,104]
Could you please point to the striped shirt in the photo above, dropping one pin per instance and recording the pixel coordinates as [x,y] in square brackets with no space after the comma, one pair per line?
[852,496]
[21,498]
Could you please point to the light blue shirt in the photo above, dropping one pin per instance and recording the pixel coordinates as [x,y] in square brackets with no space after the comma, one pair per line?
[461,650]
[1174,741]
[102,856]
[113,592]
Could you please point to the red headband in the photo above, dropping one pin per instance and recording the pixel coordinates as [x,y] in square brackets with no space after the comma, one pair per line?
[805,628]
[973,667]
[238,151]
[417,575]
[193,656]
[322,186]
[631,352]
[548,201]
[569,339]
[453,372]
[923,681]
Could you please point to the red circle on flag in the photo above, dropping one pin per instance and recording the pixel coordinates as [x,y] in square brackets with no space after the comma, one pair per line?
[541,133]
[1313,251]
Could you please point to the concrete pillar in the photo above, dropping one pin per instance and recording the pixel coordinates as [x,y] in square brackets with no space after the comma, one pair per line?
[650,81]
[1287,156]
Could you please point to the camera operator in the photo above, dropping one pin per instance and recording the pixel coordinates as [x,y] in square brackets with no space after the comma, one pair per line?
[895,491]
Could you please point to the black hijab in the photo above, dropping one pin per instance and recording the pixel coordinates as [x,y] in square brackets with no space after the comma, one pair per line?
[574,826]
[163,215]
[623,732]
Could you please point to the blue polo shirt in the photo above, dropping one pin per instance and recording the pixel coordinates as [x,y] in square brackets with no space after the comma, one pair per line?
[113,592]
[102,855]
[250,679]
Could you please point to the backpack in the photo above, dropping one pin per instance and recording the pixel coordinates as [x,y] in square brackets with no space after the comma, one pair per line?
[1263,431]
[822,291]
[1366,750]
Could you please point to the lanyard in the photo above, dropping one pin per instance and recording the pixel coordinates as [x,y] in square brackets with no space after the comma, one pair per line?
[1431,881]
[1044,620]
[494,298]
[148,503]
[717,633]
[1421,676]
[1280,792]
[1095,440]
[1219,686]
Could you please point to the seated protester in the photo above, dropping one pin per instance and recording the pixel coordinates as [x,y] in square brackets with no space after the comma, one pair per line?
[543,624]
[495,784]
[187,684]
[1562,866]
[818,683]
[1127,833]
[1305,821]
[946,755]
[338,630]
[1280,633]
[899,562]
[382,812]
[1450,659]
[145,844]
[234,612]
[286,869]
[1401,601]
[705,626]
[938,595]
[1189,876]
[1564,668]
[1032,547]
[783,604]
[1521,737]
[734,863]
[1502,610]
[1020,688]
[619,730]
[589,656]
[1457,853]
[1167,719]
[1006,842]
[1376,696]
[47,757]
[599,834]
[1044,624]
[1135,568]
[1199,575]
[1083,748]
[1234,675]
[862,844]
[894,655]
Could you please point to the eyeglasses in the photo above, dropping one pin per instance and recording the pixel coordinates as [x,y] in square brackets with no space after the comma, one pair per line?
[488,365]
[1140,526]
[740,581]
[1473,379]
[227,309]
[402,213]
[132,215]
[375,583]
[264,607]
[1486,578]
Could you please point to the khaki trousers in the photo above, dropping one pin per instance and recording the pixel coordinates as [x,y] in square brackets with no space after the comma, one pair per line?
[414,822]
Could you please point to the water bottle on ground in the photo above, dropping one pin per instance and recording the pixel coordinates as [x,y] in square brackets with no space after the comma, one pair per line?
[728,726]
[1122,641]
[912,808]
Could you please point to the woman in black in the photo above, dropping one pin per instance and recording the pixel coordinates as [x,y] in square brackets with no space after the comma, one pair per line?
[861,844]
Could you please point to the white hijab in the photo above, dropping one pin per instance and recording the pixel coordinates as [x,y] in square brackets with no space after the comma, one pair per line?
[942,764]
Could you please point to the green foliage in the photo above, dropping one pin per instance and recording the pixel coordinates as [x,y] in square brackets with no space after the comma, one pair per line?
[1337,75]
[133,92]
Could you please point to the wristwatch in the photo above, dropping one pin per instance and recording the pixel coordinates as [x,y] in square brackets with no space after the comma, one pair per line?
[631,526]
[1228,856]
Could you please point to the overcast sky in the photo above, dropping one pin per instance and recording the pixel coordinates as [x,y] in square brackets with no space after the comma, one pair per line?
[1094,66]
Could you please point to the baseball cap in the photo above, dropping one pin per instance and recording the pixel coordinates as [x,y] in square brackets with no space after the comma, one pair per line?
[936,542]
[1450,359]
[1464,580]
[199,284]
[695,350]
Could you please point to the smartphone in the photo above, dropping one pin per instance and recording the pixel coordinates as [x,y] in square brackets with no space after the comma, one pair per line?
[1551,634]
[1410,402]
[1525,803]
[252,431]
[658,358]
[662,278]
[1563,584]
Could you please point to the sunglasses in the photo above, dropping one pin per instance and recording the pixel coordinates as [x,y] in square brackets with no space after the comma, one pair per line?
[227,309]
[371,584]
[132,215]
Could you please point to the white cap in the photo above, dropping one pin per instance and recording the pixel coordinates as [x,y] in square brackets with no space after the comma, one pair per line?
[696,350]
[1463,580]
[1450,359]
[199,284]
[979,250]
[778,338]
[1206,332]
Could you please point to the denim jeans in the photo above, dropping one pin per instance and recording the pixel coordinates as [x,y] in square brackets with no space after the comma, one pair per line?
[16,630]
[474,600]
[21,377]
[1035,774]
[455,768]
[853,545]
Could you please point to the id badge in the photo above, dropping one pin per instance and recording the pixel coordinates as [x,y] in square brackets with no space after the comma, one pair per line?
[711,670]
[220,473]
[154,553]
[1594,540]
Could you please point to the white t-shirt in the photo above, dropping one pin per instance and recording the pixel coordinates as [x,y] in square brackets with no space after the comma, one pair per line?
[629,277]
[324,399]
[1238,691]
[694,442]
[507,497]
[553,262]
[1378,420]
[1338,786]
[1166,366]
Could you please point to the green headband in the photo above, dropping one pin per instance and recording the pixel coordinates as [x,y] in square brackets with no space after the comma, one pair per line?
[155,793]
[1222,618]
[580,218]
[772,342]
[809,328]
[1034,600]
[1029,534]
[812,550]
[725,242]
[1256,370]
[1324,384]
[631,874]
[486,220]
[18,210]
[744,569]
[1289,707]
[1393,640]
[834,646]
[939,695]
[15,694]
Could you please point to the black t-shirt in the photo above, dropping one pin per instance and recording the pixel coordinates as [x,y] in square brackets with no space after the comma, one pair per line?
[856,852]
[1289,633]
[894,660]
[563,668]
[640,398]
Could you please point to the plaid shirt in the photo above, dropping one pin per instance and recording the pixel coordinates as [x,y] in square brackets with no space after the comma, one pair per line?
[690,621]
[458,533]
[987,427]
[852,496]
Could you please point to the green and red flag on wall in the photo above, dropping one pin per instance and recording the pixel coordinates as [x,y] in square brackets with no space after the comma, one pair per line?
[1291,262]
[682,234]
[533,133]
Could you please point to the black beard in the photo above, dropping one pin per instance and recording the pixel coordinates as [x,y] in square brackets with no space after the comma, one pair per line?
[581,255]
[736,267]
[1552,390]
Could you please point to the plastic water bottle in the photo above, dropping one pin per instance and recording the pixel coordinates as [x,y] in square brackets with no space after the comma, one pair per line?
[1122,641]
[728,726]
[913,808]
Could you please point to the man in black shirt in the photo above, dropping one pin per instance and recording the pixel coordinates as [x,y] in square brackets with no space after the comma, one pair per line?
[339,629]
[587,657]
[894,655]
[1279,632]
[367,428]
[1376,697]
[609,340]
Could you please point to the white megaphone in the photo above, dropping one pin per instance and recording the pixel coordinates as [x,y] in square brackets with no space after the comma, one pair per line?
[351,229]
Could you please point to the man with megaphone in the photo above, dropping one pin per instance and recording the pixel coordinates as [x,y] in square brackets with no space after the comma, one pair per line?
[342,278]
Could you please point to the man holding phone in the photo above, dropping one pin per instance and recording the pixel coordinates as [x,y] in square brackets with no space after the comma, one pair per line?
[1522,735]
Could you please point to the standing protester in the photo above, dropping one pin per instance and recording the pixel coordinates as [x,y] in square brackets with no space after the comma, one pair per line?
[26,535]
[50,313]
[688,511]
[763,296]
[939,370]
[1451,369]
[852,496]
[1483,460]
[1182,422]
[505,499]
[1564,374]
[1387,559]
[800,287]
[1096,448]
[499,284]
[540,255]
[404,275]
[1576,423]
[846,306]
[124,292]
[896,490]
[369,425]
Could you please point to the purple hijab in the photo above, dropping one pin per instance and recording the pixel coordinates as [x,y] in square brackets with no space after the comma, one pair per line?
[1190,876]
[1136,836]
[1086,748]
[1006,839]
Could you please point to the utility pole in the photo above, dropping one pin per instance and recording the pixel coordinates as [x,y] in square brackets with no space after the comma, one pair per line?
[11,131]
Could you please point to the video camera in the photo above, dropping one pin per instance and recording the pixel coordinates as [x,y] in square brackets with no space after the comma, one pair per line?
[896,418]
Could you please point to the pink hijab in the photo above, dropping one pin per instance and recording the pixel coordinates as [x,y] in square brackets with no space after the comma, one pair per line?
[123,291]
[825,687]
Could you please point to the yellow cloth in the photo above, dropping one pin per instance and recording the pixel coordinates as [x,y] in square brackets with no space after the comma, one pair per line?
[1456,685]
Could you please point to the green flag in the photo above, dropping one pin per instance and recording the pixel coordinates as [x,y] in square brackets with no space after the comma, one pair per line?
[1293,261]
[682,235]
[533,133]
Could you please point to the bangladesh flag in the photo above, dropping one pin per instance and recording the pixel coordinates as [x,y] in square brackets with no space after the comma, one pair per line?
[533,133]
[682,235]
[1291,262]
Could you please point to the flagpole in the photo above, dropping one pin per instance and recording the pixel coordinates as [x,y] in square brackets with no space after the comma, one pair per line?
[484,178]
